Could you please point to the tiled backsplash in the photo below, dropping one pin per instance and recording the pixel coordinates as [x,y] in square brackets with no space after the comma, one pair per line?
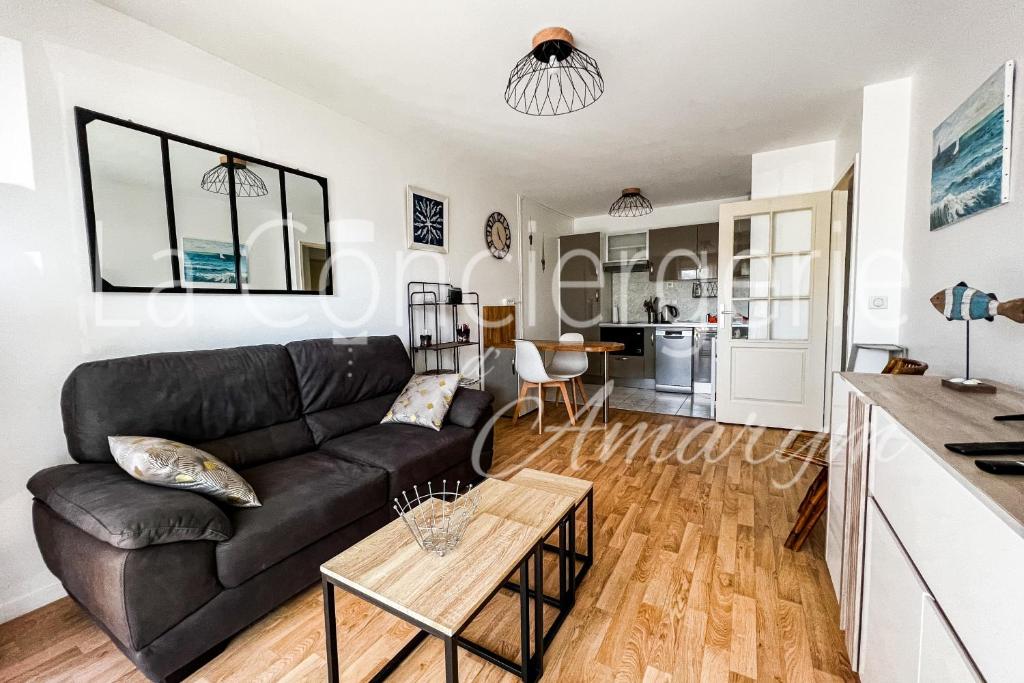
[628,291]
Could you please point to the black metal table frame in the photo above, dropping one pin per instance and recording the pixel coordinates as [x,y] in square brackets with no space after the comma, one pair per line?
[530,667]
[568,576]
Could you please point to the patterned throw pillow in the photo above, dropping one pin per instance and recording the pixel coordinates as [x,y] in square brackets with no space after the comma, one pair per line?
[168,463]
[424,401]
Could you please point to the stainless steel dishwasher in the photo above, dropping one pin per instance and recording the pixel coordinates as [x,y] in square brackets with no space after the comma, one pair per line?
[673,360]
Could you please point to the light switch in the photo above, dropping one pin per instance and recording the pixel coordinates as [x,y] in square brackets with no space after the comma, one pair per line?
[878,303]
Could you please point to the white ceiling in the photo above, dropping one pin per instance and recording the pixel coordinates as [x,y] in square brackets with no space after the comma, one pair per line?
[693,87]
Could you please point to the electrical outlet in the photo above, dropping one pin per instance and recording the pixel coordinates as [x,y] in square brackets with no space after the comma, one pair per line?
[878,303]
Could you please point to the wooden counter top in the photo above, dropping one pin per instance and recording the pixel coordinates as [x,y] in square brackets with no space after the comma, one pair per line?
[555,345]
[936,416]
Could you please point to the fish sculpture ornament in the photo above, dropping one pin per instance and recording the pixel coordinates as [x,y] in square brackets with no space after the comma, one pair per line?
[962,302]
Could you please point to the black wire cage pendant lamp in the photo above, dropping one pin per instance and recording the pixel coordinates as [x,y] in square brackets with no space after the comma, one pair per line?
[630,204]
[554,78]
[247,183]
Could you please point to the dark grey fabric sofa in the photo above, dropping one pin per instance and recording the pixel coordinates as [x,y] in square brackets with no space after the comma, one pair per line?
[171,575]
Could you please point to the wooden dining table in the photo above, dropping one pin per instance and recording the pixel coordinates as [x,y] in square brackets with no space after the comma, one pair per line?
[601,347]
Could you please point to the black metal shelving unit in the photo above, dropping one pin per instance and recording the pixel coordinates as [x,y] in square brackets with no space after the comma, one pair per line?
[428,308]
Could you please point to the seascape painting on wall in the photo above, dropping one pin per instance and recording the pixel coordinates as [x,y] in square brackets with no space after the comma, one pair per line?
[426,220]
[211,263]
[971,166]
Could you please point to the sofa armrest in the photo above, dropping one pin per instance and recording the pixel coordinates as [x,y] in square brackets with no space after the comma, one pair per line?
[106,503]
[468,406]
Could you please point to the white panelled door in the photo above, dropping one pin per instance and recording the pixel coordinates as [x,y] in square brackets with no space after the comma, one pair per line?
[773,296]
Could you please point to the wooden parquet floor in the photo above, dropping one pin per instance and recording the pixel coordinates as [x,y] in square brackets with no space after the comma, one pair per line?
[690,583]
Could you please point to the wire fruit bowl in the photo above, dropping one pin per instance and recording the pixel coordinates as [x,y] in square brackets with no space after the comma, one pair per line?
[437,519]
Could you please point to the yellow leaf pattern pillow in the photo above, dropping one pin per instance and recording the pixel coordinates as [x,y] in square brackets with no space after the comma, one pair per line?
[168,463]
[424,401]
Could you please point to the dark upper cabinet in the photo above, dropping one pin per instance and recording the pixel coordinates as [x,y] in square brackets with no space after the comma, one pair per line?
[686,252]
[671,252]
[707,248]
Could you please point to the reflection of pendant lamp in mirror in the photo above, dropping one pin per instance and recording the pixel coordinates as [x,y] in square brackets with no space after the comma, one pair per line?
[247,183]
[555,77]
[630,204]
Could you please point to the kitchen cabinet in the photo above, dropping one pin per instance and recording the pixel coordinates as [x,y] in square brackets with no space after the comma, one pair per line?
[685,252]
[648,353]
[626,367]
[671,253]
[707,249]
[580,301]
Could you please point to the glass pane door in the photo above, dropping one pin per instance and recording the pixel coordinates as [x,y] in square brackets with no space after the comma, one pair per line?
[771,284]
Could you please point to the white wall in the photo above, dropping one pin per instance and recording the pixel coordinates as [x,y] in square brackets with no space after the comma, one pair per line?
[984,250]
[79,53]
[881,211]
[848,141]
[662,217]
[793,170]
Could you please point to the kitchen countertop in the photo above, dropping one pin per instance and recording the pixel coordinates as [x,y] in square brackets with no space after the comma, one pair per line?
[937,416]
[678,323]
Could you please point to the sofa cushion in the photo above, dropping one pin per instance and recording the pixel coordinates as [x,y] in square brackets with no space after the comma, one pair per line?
[411,455]
[337,372]
[104,502]
[305,498]
[425,401]
[469,407]
[193,397]
[162,462]
[332,422]
[249,449]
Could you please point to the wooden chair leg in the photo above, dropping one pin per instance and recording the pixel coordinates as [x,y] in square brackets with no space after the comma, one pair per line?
[572,383]
[583,392]
[820,480]
[811,509]
[815,515]
[519,401]
[568,406]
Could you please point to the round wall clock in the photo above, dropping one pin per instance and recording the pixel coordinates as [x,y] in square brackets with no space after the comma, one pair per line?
[498,234]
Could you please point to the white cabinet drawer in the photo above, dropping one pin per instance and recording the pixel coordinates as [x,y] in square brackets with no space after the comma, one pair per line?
[891,619]
[969,558]
[942,658]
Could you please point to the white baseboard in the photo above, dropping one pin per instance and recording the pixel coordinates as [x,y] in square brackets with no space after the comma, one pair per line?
[30,601]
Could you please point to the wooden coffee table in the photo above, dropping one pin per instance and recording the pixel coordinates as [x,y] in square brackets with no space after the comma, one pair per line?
[581,492]
[441,595]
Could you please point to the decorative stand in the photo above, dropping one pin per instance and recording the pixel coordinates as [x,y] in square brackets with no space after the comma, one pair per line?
[434,310]
[966,384]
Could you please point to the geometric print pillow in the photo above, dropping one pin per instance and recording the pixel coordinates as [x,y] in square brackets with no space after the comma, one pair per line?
[168,463]
[424,401]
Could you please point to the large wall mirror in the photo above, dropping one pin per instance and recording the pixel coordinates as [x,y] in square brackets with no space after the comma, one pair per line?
[168,214]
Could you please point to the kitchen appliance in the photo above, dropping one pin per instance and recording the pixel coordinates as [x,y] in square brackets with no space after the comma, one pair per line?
[673,365]
[668,313]
[631,337]
[704,347]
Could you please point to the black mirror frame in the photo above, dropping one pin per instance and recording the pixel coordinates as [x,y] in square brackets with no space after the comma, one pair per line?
[85,116]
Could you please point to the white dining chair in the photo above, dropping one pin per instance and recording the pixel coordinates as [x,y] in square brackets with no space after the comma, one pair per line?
[572,364]
[532,373]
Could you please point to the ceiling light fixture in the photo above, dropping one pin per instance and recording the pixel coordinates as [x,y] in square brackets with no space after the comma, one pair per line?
[247,183]
[554,78]
[630,204]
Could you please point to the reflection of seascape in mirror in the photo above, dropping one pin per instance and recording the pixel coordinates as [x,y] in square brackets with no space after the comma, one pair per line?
[213,262]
